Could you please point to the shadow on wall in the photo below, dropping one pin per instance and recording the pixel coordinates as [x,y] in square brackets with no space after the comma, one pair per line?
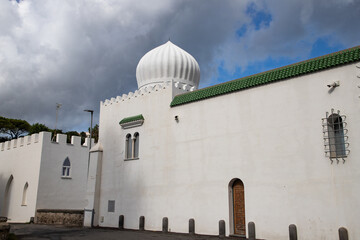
[2,192]
[5,189]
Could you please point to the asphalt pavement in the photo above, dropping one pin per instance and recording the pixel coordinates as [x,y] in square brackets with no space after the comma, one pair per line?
[59,232]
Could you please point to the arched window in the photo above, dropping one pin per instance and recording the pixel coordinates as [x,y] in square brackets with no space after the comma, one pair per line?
[136,145]
[128,147]
[23,203]
[66,168]
[336,136]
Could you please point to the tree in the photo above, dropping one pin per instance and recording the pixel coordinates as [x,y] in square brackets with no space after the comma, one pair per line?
[13,127]
[83,136]
[95,132]
[70,134]
[4,139]
[55,131]
[38,127]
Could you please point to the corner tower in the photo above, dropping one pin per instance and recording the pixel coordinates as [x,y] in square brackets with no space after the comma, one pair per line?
[167,63]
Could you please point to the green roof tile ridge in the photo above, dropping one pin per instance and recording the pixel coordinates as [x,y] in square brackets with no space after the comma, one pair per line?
[293,70]
[131,119]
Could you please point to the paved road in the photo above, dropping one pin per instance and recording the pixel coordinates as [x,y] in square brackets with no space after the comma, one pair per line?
[55,232]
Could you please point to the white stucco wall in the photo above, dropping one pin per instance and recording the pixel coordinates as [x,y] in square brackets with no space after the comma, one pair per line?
[38,161]
[21,159]
[55,191]
[270,137]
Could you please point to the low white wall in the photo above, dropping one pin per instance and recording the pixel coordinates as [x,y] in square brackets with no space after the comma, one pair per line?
[55,191]
[38,161]
[20,158]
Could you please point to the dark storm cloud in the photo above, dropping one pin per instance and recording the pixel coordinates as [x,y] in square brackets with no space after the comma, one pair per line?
[79,53]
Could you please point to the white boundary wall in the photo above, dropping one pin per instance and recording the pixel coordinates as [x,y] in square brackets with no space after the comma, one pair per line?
[21,159]
[38,161]
[55,191]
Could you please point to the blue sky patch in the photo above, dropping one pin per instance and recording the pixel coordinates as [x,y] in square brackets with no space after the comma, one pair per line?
[251,69]
[259,19]
[242,30]
[323,46]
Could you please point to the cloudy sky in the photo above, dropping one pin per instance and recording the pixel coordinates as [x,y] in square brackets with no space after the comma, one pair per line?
[79,53]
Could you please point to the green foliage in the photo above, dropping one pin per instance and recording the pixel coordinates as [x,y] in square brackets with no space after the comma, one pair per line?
[95,132]
[14,128]
[54,132]
[4,139]
[83,136]
[70,134]
[38,127]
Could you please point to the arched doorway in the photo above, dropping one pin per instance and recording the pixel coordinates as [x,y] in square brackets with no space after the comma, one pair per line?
[237,205]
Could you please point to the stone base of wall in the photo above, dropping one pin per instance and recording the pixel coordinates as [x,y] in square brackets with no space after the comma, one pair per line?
[4,231]
[60,216]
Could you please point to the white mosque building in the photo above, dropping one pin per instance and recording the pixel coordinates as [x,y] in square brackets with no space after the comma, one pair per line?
[273,149]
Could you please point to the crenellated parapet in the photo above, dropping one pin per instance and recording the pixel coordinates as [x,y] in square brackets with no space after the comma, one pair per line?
[20,142]
[177,88]
[42,137]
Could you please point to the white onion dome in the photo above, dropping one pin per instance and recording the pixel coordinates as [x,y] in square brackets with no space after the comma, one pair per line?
[166,63]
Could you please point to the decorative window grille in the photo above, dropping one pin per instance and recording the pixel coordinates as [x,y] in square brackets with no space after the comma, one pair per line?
[66,168]
[335,136]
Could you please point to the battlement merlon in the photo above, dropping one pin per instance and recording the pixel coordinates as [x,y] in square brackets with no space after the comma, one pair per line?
[177,88]
[41,137]
[75,140]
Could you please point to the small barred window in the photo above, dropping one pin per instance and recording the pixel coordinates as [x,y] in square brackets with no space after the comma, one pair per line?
[335,136]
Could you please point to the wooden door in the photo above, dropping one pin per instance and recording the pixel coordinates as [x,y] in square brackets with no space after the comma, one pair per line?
[239,208]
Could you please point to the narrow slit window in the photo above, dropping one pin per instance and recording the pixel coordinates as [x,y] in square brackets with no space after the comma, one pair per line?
[128,147]
[136,145]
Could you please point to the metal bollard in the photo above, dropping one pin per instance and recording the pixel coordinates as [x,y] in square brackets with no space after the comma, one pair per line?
[252,234]
[121,221]
[142,223]
[292,232]
[165,224]
[191,226]
[343,234]
[221,228]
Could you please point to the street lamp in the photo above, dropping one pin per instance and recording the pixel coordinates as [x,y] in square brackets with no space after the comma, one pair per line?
[92,112]
[58,106]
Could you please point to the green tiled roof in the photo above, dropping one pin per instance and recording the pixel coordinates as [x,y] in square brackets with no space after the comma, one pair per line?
[132,119]
[309,66]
